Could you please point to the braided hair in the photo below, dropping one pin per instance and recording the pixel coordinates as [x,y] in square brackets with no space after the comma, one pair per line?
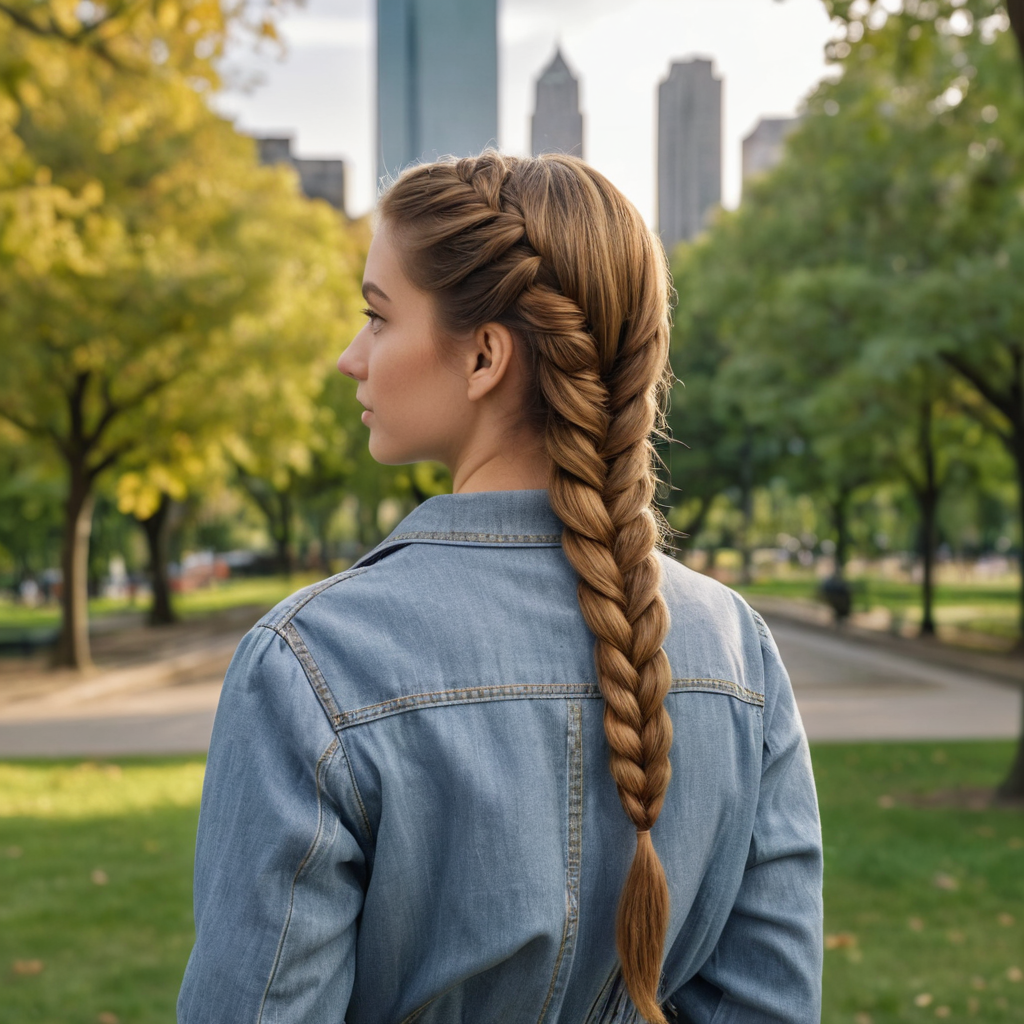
[550,249]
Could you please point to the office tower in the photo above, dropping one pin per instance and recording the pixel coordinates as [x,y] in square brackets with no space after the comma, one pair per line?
[437,80]
[764,146]
[689,149]
[320,179]
[557,125]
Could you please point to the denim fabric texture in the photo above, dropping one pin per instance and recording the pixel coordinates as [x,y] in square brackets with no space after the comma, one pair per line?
[407,813]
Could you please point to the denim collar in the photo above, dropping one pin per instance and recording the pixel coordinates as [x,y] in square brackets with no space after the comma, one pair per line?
[492,518]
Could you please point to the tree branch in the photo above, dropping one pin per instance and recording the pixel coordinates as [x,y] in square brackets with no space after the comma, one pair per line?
[1003,403]
[51,30]
[1015,9]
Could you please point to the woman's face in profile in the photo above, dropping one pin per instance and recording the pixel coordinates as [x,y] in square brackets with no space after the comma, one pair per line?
[416,404]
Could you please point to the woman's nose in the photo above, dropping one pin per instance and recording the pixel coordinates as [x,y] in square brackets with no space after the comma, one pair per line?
[349,363]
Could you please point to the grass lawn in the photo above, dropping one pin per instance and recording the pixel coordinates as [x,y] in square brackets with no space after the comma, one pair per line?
[259,590]
[977,607]
[924,905]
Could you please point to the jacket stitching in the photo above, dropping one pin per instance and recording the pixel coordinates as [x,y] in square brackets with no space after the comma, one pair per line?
[293,639]
[291,610]
[478,538]
[298,647]
[574,846]
[324,757]
[479,694]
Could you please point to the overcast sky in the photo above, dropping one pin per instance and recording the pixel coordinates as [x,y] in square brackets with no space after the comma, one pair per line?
[322,91]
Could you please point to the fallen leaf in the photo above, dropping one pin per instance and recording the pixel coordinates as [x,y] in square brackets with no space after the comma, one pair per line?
[1006,920]
[956,937]
[863,1018]
[1014,974]
[1015,843]
[841,940]
[99,877]
[941,1011]
[923,999]
[944,881]
[107,1018]
[13,852]
[886,802]
[27,966]
[915,924]
[973,1006]
[979,983]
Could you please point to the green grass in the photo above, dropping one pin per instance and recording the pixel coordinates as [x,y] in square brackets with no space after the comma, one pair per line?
[261,590]
[922,903]
[978,607]
[96,886]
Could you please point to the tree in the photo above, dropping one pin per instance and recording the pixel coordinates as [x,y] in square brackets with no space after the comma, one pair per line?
[142,241]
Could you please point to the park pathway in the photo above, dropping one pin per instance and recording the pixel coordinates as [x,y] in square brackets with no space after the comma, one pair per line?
[847,688]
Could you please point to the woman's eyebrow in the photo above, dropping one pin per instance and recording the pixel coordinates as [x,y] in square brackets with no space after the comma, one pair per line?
[369,286]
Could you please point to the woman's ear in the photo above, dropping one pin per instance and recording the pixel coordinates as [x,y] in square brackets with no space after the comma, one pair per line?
[490,356]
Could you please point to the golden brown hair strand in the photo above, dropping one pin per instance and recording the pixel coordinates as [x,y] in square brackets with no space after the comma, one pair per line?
[549,248]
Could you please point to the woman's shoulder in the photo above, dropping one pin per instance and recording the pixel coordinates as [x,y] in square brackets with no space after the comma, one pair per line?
[713,632]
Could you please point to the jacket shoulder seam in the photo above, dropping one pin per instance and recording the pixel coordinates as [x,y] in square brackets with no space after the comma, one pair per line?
[291,610]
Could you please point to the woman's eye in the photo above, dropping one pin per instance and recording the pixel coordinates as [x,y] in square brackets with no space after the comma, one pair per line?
[375,319]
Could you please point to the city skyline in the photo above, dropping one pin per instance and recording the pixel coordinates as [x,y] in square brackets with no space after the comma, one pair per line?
[323,93]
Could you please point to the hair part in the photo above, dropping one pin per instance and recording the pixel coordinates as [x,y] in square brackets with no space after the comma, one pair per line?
[549,248]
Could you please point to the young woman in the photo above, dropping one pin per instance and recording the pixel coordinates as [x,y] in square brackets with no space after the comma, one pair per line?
[515,765]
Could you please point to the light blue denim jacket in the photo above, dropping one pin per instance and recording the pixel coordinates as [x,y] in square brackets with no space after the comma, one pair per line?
[408,815]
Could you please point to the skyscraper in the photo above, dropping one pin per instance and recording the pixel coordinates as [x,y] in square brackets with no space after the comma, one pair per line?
[320,179]
[689,149]
[437,80]
[557,125]
[764,146]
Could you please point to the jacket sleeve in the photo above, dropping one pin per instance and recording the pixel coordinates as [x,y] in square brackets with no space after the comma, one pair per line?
[278,874]
[766,966]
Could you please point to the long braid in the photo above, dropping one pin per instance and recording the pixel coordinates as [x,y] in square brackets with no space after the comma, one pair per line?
[503,240]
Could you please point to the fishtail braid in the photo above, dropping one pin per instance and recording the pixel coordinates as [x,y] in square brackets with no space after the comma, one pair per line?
[553,251]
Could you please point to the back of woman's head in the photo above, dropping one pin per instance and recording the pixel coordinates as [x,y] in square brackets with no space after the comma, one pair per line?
[550,249]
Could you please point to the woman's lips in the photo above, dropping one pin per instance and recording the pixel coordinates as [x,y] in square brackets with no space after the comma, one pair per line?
[365,414]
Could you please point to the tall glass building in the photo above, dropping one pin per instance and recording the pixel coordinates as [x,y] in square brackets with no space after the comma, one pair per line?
[437,80]
[689,149]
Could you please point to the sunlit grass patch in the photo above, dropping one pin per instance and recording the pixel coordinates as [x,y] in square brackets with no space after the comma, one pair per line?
[95,889]
[924,897]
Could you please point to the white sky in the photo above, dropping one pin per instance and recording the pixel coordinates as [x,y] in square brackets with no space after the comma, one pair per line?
[322,92]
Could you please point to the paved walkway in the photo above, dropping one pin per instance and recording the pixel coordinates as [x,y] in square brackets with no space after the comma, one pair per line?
[847,689]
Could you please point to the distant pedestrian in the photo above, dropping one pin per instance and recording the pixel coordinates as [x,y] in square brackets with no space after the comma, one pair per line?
[515,765]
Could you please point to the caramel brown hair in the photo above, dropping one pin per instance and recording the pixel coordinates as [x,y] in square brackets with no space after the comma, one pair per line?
[552,250]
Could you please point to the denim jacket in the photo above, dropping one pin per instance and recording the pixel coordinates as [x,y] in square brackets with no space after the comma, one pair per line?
[408,815]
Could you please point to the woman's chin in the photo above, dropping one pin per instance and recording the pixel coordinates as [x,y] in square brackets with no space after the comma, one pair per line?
[389,454]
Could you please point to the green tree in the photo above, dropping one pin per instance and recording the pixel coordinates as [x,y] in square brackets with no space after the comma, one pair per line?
[142,242]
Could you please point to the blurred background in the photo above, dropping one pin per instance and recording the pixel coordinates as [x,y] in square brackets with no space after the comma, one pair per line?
[186,197]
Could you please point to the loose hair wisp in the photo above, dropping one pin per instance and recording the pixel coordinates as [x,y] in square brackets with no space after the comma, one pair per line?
[549,248]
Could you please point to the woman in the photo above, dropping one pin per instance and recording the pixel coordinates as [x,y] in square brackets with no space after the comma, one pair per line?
[439,783]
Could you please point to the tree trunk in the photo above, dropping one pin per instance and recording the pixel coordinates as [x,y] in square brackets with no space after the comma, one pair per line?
[157,531]
[1015,9]
[73,642]
[282,532]
[1012,787]
[927,502]
[840,519]
[747,502]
